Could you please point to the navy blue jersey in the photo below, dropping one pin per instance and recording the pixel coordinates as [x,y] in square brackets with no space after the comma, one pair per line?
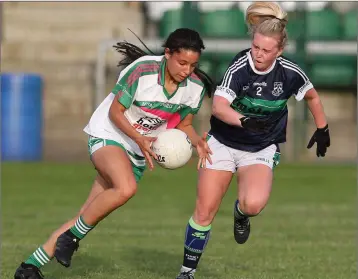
[255,93]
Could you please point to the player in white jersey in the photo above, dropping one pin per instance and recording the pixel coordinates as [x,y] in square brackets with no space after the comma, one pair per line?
[249,119]
[153,93]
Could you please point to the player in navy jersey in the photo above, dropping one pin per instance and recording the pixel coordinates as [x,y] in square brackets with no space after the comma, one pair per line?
[249,119]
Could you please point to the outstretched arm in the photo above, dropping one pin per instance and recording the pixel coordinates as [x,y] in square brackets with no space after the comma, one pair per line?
[321,135]
[315,106]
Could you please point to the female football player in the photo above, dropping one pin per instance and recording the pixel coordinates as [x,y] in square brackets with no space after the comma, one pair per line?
[153,93]
[249,118]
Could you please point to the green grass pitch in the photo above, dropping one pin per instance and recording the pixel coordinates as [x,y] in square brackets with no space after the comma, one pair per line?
[307,231]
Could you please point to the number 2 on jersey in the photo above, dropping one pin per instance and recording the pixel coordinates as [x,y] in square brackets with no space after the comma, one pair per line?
[258,90]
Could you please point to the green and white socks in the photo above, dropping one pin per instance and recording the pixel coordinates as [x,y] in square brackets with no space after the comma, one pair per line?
[80,229]
[39,258]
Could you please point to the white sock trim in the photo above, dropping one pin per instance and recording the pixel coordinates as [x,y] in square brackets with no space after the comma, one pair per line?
[187,269]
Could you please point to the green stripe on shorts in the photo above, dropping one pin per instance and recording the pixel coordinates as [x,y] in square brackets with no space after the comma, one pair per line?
[137,161]
[276,159]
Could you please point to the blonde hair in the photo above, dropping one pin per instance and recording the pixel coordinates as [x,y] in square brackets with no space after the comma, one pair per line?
[267,18]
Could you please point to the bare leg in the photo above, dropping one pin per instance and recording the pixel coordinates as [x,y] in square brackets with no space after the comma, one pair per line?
[254,188]
[114,186]
[114,165]
[99,185]
[212,187]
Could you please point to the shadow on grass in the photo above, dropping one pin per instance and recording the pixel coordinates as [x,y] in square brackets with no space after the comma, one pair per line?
[83,265]
[159,262]
[154,262]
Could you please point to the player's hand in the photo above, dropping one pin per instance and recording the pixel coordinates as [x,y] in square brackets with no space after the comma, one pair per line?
[254,124]
[203,152]
[145,145]
[323,140]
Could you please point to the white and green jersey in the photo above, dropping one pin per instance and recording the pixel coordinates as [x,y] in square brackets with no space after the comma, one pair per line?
[150,109]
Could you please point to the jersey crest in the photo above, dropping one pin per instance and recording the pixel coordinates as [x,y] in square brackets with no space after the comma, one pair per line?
[277,88]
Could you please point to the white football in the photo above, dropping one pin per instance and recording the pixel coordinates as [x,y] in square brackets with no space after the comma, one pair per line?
[173,148]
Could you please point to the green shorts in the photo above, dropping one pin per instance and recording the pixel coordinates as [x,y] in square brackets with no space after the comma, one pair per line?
[138,162]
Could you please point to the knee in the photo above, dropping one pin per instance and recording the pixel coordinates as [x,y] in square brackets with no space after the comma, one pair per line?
[127,192]
[122,194]
[251,207]
[203,216]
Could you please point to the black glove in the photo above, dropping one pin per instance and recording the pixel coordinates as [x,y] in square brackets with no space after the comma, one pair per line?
[321,137]
[254,124]
[263,123]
